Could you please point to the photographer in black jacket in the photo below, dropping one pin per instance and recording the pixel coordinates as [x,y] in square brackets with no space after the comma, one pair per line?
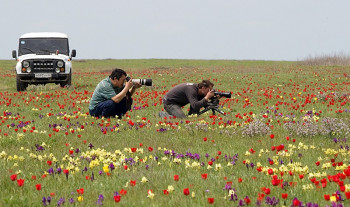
[197,95]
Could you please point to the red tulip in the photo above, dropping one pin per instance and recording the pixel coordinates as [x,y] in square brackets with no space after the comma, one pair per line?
[176,177]
[186,191]
[13,177]
[211,200]
[327,197]
[117,198]
[347,194]
[38,186]
[284,195]
[247,200]
[267,191]
[123,192]
[20,182]
[270,171]
[296,202]
[132,182]
[80,191]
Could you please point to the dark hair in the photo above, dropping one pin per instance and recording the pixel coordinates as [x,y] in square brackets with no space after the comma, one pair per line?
[205,83]
[117,73]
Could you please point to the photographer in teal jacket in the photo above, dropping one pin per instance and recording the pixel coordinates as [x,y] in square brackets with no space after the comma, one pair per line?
[112,96]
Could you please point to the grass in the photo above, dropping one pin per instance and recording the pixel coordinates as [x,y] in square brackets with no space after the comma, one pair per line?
[47,127]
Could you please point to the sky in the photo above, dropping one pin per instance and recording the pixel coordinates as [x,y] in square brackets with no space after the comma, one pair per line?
[184,29]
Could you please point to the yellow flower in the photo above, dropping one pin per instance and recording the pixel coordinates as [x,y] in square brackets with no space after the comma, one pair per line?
[150,194]
[333,199]
[193,194]
[105,169]
[144,180]
[80,198]
[171,188]
[218,166]
[231,192]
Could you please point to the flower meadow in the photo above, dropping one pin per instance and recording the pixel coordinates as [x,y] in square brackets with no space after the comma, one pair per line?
[284,140]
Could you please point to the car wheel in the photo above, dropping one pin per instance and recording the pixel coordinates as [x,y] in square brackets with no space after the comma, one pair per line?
[20,85]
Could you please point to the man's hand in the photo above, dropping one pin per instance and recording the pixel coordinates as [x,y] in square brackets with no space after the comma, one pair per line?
[137,85]
[209,95]
[129,84]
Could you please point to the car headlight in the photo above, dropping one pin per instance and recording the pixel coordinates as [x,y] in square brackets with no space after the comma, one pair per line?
[29,70]
[57,70]
[60,64]
[25,64]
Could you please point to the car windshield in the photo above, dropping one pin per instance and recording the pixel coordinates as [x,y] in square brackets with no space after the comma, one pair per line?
[43,46]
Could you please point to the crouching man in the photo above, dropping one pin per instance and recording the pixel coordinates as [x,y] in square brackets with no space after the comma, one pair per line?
[112,96]
[197,95]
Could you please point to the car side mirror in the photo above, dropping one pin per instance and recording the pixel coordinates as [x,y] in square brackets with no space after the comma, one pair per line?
[74,53]
[14,54]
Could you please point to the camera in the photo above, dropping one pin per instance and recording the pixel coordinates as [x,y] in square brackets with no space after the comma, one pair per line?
[213,104]
[223,94]
[146,82]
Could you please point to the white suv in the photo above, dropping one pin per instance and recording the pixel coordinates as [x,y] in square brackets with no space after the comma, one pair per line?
[43,58]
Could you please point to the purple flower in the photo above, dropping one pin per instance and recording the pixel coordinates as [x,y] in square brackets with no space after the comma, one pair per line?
[44,201]
[91,146]
[59,170]
[162,130]
[61,201]
[39,148]
[272,201]
[227,187]
[71,200]
[111,166]
[196,156]
[50,171]
[100,200]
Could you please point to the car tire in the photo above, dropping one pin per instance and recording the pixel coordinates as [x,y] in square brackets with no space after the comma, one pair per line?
[20,85]
[68,82]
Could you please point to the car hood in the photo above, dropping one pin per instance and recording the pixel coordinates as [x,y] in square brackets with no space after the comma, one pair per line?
[34,56]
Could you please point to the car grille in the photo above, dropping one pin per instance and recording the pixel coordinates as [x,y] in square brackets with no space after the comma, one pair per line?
[43,65]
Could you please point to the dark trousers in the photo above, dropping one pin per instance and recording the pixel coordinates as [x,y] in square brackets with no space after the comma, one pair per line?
[110,109]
